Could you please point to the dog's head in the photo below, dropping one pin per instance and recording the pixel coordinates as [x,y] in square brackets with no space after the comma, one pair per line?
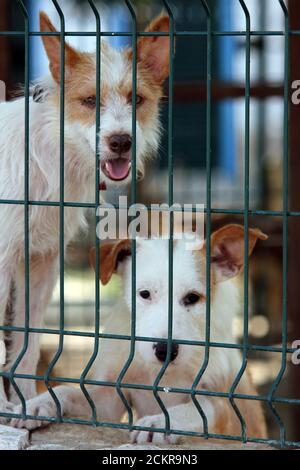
[116,98]
[189,289]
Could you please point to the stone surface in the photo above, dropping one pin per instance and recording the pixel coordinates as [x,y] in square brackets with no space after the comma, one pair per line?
[48,447]
[136,447]
[73,436]
[13,439]
[77,437]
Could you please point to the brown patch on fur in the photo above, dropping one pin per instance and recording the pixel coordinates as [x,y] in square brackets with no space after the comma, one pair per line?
[80,73]
[52,46]
[227,248]
[109,257]
[226,420]
[82,85]
[154,51]
[234,234]
[147,88]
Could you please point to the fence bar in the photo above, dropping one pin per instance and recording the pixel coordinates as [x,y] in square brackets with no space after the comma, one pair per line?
[86,334]
[185,391]
[285,181]
[133,201]
[97,202]
[226,437]
[294,225]
[246,222]
[270,213]
[171,220]
[61,213]
[208,218]
[26,216]
[295,32]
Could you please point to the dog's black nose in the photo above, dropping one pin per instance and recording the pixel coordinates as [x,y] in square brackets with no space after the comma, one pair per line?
[161,350]
[119,143]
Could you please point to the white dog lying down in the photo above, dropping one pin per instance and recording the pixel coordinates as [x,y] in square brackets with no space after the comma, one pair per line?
[189,305]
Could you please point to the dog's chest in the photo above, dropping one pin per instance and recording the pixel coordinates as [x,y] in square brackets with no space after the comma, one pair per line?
[46,226]
[47,222]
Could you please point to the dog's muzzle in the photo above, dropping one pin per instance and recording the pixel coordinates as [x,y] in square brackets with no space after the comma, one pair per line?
[161,351]
[118,166]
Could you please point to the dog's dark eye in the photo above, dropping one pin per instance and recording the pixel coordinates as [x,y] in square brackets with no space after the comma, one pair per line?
[89,102]
[191,299]
[139,99]
[145,294]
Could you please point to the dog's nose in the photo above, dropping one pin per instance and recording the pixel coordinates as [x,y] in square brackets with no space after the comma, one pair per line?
[161,350]
[119,143]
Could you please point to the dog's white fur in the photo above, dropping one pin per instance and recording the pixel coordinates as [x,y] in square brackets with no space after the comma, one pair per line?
[152,321]
[44,174]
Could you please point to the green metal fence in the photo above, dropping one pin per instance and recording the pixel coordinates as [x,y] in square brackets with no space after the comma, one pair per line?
[271,400]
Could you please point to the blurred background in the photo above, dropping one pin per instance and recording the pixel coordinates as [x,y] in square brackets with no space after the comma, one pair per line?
[228,140]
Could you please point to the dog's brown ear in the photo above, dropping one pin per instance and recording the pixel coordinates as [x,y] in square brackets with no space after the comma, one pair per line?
[227,249]
[53,50]
[154,51]
[111,254]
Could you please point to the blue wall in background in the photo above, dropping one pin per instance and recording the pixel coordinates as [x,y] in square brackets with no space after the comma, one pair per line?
[227,148]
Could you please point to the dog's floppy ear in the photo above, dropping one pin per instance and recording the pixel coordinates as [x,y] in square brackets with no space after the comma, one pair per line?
[154,51]
[53,50]
[111,254]
[227,249]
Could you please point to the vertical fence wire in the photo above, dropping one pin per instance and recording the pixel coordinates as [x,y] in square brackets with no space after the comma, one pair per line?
[133,201]
[97,202]
[61,213]
[208,216]
[26,214]
[285,186]
[171,217]
[246,223]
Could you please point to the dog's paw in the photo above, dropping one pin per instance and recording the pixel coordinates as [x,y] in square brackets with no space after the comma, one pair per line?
[5,407]
[38,406]
[154,422]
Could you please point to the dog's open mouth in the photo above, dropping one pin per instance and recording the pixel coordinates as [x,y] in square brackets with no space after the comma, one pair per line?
[116,169]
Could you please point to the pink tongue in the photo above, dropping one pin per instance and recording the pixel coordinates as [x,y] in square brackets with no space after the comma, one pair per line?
[118,168]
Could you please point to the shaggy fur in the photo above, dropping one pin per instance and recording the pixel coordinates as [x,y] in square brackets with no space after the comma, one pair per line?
[79,166]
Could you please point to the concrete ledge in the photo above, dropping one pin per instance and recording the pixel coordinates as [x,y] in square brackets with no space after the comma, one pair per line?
[76,437]
[71,437]
[13,439]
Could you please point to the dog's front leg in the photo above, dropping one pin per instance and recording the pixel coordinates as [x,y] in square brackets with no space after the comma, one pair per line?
[43,275]
[5,284]
[183,417]
[73,403]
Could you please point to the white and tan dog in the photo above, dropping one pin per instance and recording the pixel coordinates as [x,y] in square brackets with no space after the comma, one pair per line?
[189,321]
[79,166]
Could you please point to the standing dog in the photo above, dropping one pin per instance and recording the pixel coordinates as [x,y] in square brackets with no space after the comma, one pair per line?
[79,167]
[189,323]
